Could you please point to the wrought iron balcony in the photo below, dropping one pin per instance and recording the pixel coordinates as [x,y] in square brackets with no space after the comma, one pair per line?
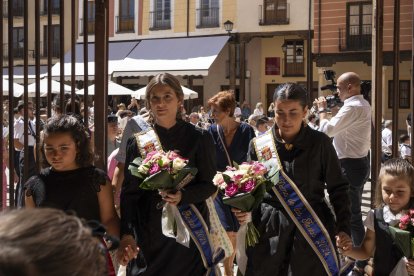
[18,8]
[55,52]
[125,24]
[293,69]
[358,38]
[274,15]
[208,18]
[160,20]
[18,51]
[55,10]
[91,26]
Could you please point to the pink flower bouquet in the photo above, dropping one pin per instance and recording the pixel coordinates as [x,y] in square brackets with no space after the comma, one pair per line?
[403,235]
[244,187]
[162,170]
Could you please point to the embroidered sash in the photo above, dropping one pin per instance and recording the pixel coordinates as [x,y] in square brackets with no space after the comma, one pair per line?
[298,207]
[189,216]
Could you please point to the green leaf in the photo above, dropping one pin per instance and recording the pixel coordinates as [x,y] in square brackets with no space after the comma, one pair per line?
[137,161]
[134,171]
[226,178]
[235,165]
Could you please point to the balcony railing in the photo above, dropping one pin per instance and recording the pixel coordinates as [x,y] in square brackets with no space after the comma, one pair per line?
[160,20]
[18,51]
[357,39]
[125,24]
[18,8]
[275,15]
[55,10]
[293,69]
[91,26]
[208,18]
[55,49]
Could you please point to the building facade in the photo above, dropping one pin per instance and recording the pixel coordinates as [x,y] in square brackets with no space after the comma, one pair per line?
[343,42]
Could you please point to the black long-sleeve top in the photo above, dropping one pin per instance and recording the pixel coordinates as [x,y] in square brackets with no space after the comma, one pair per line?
[315,168]
[141,218]
[313,165]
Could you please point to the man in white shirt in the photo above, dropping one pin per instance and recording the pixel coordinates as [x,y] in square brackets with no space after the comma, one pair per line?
[18,141]
[351,130]
[386,142]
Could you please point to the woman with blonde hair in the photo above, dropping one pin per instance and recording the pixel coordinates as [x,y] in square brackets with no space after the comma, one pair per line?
[140,216]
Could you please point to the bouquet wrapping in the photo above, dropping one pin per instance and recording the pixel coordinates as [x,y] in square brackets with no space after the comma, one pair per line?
[403,235]
[244,187]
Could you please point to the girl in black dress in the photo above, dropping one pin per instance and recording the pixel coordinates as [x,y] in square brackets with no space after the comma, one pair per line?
[140,217]
[70,182]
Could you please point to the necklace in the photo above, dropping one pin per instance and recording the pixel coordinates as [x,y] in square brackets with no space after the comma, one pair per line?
[288,147]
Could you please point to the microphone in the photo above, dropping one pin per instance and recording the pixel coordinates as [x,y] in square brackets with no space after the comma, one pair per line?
[329,86]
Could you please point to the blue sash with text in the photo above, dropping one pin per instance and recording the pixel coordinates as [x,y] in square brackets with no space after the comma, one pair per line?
[200,235]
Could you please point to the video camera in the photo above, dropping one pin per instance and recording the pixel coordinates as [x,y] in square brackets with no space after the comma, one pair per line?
[334,100]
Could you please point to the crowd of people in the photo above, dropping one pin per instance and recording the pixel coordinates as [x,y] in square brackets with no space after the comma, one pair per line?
[323,160]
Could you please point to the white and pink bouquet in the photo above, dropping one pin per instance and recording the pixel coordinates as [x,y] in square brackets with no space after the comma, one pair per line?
[162,171]
[244,187]
[403,233]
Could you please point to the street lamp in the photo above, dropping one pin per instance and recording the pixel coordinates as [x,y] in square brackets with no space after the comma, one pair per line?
[228,26]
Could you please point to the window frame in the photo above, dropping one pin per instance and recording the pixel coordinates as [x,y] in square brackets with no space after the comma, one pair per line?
[295,43]
[403,102]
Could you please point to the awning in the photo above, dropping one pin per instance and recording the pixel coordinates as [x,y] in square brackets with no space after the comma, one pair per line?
[178,56]
[18,72]
[113,89]
[117,51]
[188,93]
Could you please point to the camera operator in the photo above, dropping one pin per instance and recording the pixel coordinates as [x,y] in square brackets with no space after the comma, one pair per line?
[351,130]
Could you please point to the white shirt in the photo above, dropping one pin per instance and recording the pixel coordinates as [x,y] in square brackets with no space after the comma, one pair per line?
[5,131]
[19,132]
[387,136]
[405,151]
[351,128]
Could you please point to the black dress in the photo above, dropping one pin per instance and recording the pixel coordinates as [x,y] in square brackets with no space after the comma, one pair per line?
[311,162]
[141,218]
[74,190]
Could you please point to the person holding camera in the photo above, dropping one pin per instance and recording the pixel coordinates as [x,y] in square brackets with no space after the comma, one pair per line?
[351,130]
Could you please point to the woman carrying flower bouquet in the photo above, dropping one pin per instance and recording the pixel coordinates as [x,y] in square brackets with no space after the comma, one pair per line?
[308,165]
[140,211]
[394,197]
[231,139]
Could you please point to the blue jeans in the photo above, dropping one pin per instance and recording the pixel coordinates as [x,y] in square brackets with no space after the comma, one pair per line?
[356,172]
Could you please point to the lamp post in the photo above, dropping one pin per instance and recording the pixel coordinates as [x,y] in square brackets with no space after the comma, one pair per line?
[228,26]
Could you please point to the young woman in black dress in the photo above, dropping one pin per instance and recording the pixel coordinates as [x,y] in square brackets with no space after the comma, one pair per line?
[140,217]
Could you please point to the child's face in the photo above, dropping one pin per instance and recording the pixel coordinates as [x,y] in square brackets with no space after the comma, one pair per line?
[60,151]
[396,192]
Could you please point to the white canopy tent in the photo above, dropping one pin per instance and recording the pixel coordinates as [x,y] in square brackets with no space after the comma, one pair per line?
[55,89]
[17,89]
[113,90]
[188,93]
